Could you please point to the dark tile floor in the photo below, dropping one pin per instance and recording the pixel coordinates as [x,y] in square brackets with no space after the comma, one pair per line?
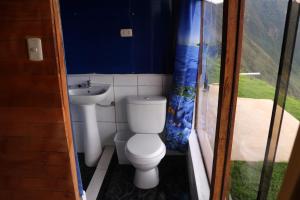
[86,172]
[118,182]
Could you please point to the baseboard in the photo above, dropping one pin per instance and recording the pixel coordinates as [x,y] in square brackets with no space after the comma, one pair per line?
[98,177]
[199,186]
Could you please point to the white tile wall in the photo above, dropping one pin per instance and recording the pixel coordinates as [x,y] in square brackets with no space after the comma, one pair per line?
[150,79]
[150,90]
[102,78]
[120,98]
[125,80]
[106,114]
[113,118]
[107,132]
[122,127]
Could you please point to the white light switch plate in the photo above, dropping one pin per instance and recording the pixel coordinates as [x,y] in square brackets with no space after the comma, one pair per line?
[127,32]
[35,51]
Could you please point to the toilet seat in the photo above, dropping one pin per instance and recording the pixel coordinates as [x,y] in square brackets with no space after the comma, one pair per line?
[145,146]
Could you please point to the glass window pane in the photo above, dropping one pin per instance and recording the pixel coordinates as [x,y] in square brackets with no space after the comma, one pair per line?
[289,127]
[263,33]
[209,82]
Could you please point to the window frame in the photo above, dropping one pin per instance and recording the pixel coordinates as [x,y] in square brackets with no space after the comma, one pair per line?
[283,77]
[232,35]
[232,32]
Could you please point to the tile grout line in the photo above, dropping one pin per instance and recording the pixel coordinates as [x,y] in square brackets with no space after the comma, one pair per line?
[115,103]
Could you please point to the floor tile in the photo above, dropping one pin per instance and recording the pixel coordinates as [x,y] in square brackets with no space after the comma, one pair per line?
[118,183]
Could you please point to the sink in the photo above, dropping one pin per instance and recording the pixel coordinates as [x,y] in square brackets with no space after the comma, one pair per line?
[85,96]
[89,95]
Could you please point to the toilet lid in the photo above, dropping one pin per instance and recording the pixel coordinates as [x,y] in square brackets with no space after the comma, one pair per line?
[145,145]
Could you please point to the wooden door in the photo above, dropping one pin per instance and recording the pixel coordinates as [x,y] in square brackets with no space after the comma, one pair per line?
[36,146]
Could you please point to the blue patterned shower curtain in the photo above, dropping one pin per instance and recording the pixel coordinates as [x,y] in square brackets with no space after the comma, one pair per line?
[181,100]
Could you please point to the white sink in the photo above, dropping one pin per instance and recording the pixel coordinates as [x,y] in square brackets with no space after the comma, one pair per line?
[89,95]
[86,96]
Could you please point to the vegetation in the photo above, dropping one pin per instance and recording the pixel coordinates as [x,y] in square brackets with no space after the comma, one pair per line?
[258,89]
[262,40]
[246,175]
[245,178]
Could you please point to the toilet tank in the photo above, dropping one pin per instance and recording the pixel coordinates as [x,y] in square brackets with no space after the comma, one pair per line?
[146,114]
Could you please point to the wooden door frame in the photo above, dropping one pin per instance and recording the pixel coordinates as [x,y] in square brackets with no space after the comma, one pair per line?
[291,182]
[62,76]
[232,34]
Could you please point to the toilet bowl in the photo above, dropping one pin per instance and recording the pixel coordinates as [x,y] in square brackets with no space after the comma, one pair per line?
[145,152]
[146,118]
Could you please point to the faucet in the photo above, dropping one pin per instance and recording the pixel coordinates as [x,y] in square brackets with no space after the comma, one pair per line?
[89,84]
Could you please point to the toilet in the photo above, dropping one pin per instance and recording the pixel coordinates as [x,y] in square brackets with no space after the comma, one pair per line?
[146,118]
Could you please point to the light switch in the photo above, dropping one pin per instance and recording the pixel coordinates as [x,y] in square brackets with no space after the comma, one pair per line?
[127,32]
[35,51]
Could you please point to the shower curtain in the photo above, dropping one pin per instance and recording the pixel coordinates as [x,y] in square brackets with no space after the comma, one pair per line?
[181,100]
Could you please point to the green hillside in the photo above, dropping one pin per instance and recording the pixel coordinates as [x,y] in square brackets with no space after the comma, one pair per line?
[263,34]
[264,23]
[258,89]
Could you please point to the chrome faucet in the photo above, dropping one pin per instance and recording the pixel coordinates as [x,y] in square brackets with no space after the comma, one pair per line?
[88,84]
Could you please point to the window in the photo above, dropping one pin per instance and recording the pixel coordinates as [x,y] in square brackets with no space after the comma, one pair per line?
[262,40]
[208,91]
[242,90]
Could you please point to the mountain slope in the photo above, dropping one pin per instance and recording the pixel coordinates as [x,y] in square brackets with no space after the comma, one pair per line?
[263,34]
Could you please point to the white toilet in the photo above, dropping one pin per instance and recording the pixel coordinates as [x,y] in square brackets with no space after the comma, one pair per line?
[146,118]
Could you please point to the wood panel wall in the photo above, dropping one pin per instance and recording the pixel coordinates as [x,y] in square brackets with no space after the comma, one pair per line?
[36,147]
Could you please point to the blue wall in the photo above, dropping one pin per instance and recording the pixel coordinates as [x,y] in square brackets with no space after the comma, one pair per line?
[92,39]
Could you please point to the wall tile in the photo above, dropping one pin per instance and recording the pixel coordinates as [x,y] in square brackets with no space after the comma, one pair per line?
[121,115]
[122,127]
[102,78]
[107,131]
[150,90]
[122,92]
[125,80]
[120,98]
[150,79]
[167,84]
[105,114]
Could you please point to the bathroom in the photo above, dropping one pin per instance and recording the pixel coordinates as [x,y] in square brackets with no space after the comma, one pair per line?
[152,99]
[99,50]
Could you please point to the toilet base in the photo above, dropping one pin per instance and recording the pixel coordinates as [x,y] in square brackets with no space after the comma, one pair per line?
[146,179]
